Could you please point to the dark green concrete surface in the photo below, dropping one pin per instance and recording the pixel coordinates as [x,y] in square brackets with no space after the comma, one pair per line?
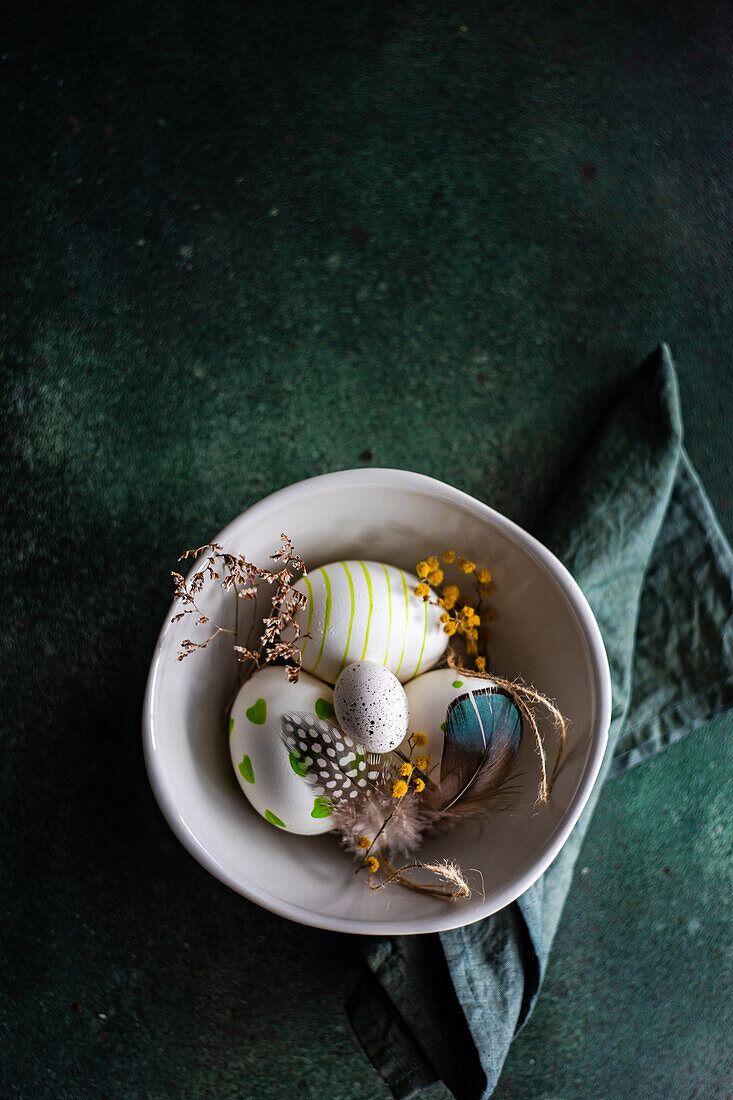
[244,244]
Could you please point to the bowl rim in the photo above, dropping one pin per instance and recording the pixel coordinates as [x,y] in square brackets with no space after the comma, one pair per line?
[434,920]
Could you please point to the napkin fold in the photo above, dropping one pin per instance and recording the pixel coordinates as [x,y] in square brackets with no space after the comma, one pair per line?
[633,525]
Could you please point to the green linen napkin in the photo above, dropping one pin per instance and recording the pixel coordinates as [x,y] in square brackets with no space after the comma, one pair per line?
[633,525]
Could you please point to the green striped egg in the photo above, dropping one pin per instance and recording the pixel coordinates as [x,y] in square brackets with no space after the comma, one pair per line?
[367,611]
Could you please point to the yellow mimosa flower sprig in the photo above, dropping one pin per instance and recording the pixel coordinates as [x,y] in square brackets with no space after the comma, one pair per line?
[462,614]
[407,780]
[409,777]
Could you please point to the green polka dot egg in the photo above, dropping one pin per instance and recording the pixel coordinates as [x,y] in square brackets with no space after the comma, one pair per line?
[273,779]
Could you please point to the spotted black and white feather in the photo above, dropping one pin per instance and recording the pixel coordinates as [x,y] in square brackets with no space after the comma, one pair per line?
[330,760]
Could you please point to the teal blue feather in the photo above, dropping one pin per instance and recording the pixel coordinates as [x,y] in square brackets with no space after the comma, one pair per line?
[483,732]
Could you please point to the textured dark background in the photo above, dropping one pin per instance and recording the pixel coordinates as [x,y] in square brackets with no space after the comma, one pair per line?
[246,243]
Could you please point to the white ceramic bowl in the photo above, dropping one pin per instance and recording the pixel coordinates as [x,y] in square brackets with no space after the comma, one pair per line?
[544,632]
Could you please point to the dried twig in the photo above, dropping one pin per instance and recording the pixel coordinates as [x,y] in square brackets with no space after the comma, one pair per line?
[233,571]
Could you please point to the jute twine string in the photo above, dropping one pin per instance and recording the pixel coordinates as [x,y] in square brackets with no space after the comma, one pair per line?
[453,886]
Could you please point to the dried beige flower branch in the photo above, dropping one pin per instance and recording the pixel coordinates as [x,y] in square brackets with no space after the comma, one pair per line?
[234,572]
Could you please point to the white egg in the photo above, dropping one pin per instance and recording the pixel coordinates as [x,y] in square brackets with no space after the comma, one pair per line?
[367,611]
[428,698]
[371,706]
[270,776]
